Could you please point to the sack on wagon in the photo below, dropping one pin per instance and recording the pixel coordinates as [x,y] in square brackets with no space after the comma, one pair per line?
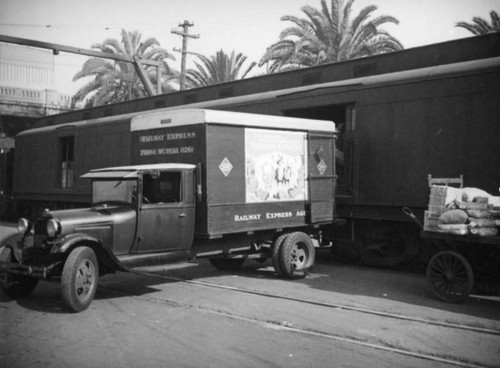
[457,229]
[479,197]
[484,231]
[482,222]
[479,214]
[454,217]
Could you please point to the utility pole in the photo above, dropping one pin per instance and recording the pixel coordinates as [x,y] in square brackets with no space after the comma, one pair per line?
[185,35]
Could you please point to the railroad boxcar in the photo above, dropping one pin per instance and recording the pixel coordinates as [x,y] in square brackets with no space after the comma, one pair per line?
[401,116]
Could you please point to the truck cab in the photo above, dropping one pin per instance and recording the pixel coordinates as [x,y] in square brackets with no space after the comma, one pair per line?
[140,215]
[163,200]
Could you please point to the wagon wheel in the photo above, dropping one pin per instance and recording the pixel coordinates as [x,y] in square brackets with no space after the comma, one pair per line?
[450,277]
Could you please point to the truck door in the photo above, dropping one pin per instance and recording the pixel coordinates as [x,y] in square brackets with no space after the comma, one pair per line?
[167,214]
[322,177]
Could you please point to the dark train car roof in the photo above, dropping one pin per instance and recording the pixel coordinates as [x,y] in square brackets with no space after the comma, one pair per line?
[441,54]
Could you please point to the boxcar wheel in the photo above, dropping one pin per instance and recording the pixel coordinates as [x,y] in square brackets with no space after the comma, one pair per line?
[227,264]
[15,286]
[79,279]
[276,254]
[296,255]
[450,277]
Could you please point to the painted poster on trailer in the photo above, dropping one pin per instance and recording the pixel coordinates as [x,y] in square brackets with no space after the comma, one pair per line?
[276,165]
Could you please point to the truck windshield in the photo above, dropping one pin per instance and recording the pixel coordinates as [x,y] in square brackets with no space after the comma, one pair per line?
[114,191]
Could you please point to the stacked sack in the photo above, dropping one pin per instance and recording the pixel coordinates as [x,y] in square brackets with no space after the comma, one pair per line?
[468,211]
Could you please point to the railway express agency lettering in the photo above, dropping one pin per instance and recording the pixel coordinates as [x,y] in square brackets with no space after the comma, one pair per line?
[166,137]
[167,151]
[154,139]
[268,216]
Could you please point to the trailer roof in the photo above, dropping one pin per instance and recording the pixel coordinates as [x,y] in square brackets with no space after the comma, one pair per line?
[180,117]
[131,171]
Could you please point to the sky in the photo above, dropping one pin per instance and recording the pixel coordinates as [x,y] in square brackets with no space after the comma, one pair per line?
[246,26]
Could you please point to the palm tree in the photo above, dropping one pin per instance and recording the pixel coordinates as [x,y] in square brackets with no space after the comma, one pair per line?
[480,26]
[116,81]
[327,36]
[218,68]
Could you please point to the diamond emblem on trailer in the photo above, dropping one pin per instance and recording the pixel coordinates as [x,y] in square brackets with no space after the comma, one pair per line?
[322,167]
[225,166]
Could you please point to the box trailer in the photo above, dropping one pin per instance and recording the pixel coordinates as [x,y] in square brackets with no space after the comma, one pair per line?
[257,171]
[222,185]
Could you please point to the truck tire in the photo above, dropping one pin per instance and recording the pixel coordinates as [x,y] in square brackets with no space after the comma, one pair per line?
[15,286]
[296,255]
[276,254]
[79,279]
[227,264]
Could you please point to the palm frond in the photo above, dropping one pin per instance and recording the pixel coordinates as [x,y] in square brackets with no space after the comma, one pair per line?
[118,81]
[329,34]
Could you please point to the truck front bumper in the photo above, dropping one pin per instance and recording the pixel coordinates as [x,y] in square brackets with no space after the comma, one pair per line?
[24,270]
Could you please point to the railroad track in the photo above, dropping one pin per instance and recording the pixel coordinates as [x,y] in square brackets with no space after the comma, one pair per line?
[280,325]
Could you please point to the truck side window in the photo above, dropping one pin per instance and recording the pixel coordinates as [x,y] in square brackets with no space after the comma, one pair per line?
[165,188]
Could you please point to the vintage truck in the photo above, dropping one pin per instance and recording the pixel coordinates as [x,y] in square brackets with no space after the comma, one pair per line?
[202,184]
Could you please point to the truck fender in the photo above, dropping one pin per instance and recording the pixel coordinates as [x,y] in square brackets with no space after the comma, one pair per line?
[103,254]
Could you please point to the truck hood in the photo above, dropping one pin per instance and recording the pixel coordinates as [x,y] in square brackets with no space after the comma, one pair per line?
[76,220]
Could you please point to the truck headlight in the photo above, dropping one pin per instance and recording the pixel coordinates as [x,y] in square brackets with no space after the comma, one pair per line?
[23,225]
[52,228]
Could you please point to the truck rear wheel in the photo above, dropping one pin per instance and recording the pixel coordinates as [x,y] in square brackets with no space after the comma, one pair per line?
[15,286]
[276,254]
[79,279]
[227,264]
[296,255]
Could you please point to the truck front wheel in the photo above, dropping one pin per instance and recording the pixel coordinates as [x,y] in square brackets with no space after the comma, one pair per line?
[15,286]
[79,279]
[296,255]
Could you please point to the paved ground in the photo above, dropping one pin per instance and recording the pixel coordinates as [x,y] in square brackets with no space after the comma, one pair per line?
[191,315]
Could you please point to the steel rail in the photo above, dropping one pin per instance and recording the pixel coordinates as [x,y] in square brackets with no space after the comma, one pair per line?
[330,305]
[303,331]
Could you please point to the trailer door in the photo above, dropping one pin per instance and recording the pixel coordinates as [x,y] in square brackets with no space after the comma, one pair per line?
[322,177]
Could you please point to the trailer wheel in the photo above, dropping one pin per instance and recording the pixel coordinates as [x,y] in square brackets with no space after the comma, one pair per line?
[296,255]
[15,286]
[227,264]
[276,254]
[450,277]
[79,279]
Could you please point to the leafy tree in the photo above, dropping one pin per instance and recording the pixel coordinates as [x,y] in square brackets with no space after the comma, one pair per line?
[330,35]
[218,68]
[116,81]
[480,26]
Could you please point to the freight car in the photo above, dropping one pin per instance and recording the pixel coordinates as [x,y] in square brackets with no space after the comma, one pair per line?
[401,116]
